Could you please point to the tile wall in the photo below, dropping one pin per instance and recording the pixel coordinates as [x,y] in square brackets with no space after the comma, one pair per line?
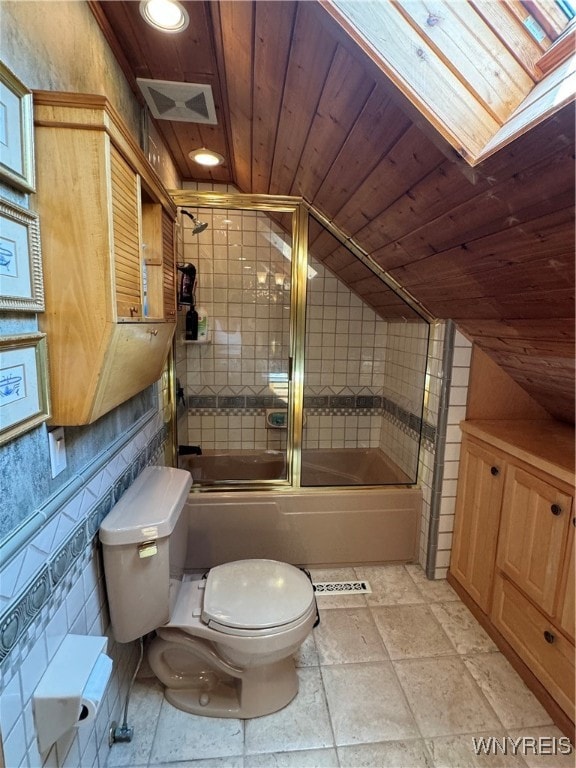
[364,376]
[445,472]
[53,586]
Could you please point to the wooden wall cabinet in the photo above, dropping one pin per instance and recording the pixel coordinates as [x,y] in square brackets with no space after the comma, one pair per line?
[513,553]
[108,254]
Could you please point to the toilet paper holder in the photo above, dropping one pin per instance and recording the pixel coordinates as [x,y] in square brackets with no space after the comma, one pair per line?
[72,687]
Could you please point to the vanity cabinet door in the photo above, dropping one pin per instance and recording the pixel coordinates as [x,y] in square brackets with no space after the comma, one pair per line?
[567,597]
[535,519]
[480,486]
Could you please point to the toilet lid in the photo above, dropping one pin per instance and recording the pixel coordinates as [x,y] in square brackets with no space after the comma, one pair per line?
[256,594]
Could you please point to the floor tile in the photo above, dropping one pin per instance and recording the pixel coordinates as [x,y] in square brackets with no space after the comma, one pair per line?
[411,631]
[460,752]
[303,724]
[210,762]
[146,701]
[308,758]
[366,704]
[387,754]
[348,635]
[462,628]
[307,655]
[545,747]
[182,736]
[391,585]
[337,601]
[443,697]
[513,702]
[432,590]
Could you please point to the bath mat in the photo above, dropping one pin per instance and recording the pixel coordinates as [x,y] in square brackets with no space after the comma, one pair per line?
[341,587]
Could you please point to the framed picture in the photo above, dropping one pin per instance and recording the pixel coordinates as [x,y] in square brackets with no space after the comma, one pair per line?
[21,285]
[24,399]
[16,132]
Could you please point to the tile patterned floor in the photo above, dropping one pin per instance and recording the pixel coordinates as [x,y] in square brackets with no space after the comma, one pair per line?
[401,678]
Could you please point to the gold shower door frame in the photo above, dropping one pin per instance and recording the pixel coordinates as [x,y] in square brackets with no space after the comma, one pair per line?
[296,207]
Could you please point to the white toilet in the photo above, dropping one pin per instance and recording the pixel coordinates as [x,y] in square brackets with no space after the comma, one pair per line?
[224,644]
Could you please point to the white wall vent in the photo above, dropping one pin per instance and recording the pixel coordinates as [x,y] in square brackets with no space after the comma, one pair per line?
[186,102]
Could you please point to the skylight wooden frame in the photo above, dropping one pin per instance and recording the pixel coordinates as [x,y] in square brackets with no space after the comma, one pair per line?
[402,38]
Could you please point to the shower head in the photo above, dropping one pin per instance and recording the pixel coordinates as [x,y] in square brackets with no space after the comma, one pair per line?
[199,226]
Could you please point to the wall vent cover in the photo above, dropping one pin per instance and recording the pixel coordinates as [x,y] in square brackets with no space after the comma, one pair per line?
[184,102]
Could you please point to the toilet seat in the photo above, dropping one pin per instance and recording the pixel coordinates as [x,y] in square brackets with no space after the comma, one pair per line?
[256,597]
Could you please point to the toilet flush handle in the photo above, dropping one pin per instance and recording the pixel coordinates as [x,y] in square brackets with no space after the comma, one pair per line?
[147,549]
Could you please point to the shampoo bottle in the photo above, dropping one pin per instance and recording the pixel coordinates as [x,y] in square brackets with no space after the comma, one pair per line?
[202,324]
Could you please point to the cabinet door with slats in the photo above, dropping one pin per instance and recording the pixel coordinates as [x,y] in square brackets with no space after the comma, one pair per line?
[169,268]
[126,238]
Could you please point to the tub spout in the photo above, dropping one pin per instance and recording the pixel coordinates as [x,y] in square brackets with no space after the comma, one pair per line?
[186,450]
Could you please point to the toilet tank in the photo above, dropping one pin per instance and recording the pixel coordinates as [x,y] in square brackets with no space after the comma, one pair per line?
[135,538]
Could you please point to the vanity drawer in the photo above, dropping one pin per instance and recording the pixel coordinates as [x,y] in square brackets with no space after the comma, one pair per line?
[546,651]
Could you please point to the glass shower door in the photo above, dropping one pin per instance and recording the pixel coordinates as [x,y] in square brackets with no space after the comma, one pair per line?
[364,378]
[239,379]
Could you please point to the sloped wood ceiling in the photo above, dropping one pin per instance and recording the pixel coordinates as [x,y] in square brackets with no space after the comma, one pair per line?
[302,111]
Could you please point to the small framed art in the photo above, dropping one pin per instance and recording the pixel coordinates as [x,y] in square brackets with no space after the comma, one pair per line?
[21,284]
[16,132]
[24,396]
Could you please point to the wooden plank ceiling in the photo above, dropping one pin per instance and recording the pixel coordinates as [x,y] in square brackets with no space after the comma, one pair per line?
[303,111]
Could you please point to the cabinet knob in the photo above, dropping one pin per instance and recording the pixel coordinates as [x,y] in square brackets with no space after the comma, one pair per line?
[549,636]
[153,331]
[556,509]
[494,471]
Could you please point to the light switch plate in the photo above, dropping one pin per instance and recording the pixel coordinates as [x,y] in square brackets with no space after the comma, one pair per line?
[57,449]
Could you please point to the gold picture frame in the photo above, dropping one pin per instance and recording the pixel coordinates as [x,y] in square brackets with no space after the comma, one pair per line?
[21,283]
[16,132]
[24,393]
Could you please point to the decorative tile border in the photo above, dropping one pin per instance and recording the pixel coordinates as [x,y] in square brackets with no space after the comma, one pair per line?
[315,405]
[21,612]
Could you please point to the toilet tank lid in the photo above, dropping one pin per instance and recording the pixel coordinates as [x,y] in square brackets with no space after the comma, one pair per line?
[149,509]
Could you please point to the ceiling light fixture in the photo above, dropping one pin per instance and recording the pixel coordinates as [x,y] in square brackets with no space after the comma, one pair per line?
[166,15]
[206,157]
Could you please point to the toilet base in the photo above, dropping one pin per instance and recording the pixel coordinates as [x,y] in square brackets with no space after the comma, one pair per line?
[260,691]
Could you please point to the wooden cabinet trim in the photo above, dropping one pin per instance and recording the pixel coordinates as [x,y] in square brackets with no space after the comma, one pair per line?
[544,445]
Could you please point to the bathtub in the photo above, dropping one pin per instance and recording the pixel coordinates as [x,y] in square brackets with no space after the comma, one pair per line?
[320,467]
[313,526]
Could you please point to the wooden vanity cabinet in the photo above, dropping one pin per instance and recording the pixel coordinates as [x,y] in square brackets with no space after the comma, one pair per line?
[515,519]
[106,225]
[477,518]
[533,535]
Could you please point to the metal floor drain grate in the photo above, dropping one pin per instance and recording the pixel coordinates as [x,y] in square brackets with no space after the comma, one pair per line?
[341,587]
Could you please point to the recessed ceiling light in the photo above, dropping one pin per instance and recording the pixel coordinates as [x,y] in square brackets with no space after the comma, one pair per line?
[206,157]
[167,15]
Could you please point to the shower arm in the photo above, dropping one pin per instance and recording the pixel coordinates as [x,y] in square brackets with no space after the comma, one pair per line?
[199,226]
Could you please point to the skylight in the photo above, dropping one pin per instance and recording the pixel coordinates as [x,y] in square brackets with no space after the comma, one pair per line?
[467,66]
